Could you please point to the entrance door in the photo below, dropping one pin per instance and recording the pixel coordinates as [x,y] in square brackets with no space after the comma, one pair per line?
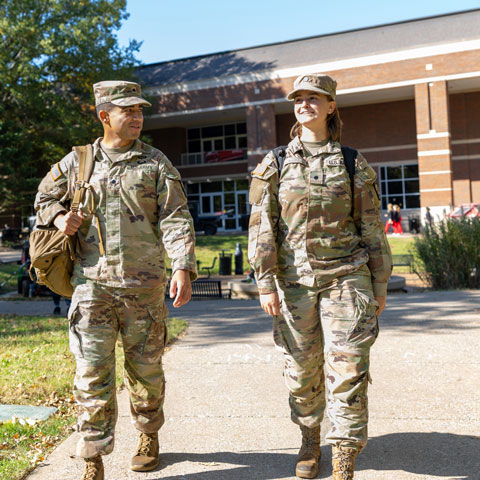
[236,205]
[211,203]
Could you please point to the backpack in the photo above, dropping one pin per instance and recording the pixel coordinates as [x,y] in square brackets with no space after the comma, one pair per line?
[52,253]
[349,156]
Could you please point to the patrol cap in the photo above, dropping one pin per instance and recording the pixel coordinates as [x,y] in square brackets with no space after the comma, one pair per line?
[316,82]
[119,92]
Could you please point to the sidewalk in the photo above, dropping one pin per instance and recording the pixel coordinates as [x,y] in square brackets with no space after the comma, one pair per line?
[9,255]
[227,415]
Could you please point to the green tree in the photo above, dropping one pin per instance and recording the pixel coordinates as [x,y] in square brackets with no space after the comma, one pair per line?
[51,52]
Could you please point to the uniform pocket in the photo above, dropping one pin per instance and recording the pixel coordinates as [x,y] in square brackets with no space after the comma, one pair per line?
[157,334]
[259,184]
[75,340]
[364,328]
[258,189]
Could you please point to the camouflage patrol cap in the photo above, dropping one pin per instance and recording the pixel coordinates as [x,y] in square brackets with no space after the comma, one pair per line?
[316,82]
[119,92]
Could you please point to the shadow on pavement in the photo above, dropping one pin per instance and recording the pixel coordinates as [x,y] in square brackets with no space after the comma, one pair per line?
[436,454]
[224,320]
[433,311]
[433,454]
[251,465]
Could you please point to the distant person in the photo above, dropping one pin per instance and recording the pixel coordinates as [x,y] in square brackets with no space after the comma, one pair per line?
[428,217]
[397,220]
[56,303]
[322,271]
[389,215]
[6,234]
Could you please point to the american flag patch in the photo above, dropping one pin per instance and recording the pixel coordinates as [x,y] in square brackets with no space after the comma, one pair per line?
[55,172]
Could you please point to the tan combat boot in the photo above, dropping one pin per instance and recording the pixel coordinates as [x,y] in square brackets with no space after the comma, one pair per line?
[309,454]
[146,456]
[343,462]
[93,469]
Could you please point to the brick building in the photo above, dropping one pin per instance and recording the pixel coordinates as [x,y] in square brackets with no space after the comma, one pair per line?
[408,93]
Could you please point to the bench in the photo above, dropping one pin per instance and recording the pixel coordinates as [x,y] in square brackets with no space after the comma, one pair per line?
[403,261]
[206,289]
[211,267]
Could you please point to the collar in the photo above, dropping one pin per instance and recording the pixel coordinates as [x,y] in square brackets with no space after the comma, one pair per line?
[296,146]
[138,148]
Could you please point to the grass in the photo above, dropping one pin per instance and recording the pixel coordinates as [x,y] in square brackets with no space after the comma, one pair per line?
[208,247]
[37,368]
[211,246]
[401,246]
[6,271]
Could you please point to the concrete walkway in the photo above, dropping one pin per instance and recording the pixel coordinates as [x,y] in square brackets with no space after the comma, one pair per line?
[10,255]
[227,412]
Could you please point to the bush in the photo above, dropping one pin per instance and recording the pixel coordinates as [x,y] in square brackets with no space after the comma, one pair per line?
[449,253]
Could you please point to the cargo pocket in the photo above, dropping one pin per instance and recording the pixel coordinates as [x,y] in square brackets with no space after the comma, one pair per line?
[157,334]
[258,189]
[75,340]
[364,328]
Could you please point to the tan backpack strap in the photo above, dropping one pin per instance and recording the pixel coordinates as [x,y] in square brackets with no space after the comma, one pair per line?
[77,196]
[89,162]
[86,163]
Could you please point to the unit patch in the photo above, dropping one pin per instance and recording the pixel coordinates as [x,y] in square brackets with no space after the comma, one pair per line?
[56,172]
[334,162]
[260,170]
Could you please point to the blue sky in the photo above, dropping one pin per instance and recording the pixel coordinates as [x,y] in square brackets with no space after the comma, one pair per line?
[172,29]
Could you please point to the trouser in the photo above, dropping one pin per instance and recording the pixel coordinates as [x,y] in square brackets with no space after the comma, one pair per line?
[96,316]
[56,300]
[325,334]
[388,224]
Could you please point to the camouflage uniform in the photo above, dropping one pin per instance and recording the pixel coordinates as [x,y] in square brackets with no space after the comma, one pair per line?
[142,212]
[327,268]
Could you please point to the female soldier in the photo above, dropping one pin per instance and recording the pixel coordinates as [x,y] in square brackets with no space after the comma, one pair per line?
[322,264]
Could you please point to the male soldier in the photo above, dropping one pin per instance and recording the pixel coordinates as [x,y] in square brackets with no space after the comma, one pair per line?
[134,210]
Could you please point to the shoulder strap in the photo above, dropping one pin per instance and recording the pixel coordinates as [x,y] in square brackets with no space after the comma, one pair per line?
[85,169]
[349,156]
[280,153]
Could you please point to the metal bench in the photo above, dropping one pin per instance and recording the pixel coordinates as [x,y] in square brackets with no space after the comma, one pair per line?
[403,261]
[207,289]
[210,268]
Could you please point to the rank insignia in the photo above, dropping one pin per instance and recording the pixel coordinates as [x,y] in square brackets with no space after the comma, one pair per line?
[55,172]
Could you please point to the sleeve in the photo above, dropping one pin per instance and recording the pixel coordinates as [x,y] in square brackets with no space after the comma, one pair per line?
[263,227]
[54,191]
[370,226]
[175,221]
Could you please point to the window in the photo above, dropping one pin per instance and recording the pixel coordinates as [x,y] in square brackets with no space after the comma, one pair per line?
[217,137]
[229,197]
[400,185]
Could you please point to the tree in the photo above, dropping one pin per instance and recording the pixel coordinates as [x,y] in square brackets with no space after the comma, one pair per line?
[51,52]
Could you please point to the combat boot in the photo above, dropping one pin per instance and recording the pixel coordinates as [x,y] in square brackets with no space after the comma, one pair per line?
[309,454]
[93,469]
[146,456]
[343,462]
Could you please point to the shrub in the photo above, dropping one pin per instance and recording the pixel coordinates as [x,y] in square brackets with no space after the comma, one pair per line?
[449,254]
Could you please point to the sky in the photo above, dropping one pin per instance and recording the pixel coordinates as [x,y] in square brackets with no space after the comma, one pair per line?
[172,29]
